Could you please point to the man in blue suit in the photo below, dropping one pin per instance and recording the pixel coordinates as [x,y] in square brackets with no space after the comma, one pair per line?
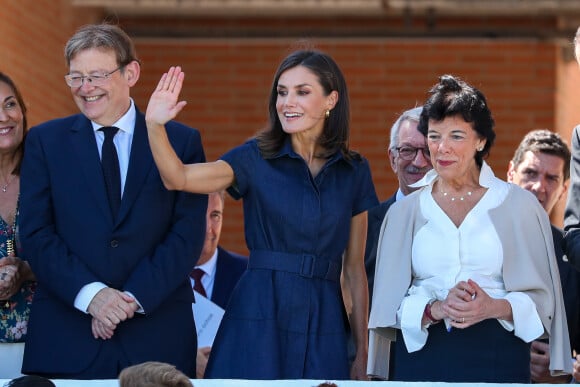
[111,246]
[541,165]
[221,269]
[410,161]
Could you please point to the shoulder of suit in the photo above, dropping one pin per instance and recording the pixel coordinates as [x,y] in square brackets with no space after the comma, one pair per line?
[63,123]
[233,256]
[176,126]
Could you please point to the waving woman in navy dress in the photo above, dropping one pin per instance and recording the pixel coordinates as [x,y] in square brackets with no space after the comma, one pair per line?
[305,200]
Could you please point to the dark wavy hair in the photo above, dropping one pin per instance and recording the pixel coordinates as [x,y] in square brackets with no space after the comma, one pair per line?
[454,97]
[544,141]
[335,135]
[20,150]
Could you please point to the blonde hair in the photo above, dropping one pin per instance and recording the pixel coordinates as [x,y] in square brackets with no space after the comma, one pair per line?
[153,374]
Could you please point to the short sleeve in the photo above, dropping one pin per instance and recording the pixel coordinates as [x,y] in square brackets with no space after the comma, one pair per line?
[366,196]
[242,159]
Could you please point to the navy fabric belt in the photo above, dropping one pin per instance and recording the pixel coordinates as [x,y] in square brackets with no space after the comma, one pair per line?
[307,265]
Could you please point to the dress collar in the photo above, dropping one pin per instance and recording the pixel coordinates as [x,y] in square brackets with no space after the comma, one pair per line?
[286,150]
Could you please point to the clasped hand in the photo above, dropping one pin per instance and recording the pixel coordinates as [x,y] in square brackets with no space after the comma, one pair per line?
[110,307]
[466,304]
[9,276]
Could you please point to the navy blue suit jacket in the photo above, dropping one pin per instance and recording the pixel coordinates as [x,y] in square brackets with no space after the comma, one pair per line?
[570,279]
[229,268]
[71,239]
[375,218]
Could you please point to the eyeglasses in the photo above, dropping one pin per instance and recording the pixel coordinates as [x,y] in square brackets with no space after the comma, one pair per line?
[93,79]
[409,153]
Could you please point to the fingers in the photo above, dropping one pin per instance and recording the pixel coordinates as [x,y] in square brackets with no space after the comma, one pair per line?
[163,104]
[9,280]
[539,362]
[539,347]
[200,364]
[161,83]
[172,78]
[111,307]
[175,78]
[205,351]
[464,291]
[8,272]
[458,314]
[476,289]
[9,260]
[100,331]
[127,297]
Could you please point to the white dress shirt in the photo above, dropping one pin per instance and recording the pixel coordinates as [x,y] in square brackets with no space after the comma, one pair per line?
[122,140]
[399,195]
[443,254]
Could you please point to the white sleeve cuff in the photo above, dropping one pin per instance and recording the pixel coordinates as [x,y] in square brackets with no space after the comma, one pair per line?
[86,295]
[414,334]
[527,324]
[140,310]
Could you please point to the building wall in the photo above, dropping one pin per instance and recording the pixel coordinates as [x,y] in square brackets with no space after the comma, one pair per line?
[33,36]
[228,81]
[529,83]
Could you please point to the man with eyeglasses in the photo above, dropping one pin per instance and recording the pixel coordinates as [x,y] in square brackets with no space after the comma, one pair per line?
[409,157]
[112,247]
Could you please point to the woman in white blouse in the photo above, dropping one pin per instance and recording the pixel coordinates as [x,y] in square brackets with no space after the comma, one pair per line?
[466,273]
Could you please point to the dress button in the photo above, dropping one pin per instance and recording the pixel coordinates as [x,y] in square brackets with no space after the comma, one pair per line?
[114,243]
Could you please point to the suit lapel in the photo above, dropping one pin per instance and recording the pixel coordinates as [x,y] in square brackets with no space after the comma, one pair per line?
[220,280]
[140,164]
[85,146]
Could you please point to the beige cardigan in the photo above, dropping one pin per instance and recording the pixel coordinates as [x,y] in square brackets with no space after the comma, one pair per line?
[529,266]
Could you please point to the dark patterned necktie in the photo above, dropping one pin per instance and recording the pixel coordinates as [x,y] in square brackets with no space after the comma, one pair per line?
[111,171]
[196,274]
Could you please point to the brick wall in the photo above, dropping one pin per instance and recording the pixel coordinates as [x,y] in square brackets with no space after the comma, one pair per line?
[529,83]
[227,84]
[33,36]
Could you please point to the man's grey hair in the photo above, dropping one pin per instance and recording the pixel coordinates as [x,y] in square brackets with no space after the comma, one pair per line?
[409,115]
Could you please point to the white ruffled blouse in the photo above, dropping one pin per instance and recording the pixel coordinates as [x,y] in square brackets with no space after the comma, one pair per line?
[443,254]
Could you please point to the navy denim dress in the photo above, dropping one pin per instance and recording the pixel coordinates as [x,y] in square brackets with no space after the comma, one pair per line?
[285,319]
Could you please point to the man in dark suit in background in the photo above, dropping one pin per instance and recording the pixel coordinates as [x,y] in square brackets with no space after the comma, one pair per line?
[541,165]
[409,158]
[218,269]
[112,247]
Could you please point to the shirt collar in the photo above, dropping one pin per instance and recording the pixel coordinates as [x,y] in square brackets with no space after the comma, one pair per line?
[399,195]
[126,123]
[486,177]
[209,267]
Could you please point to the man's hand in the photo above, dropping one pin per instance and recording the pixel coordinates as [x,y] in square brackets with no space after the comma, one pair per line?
[100,331]
[201,361]
[540,362]
[110,307]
